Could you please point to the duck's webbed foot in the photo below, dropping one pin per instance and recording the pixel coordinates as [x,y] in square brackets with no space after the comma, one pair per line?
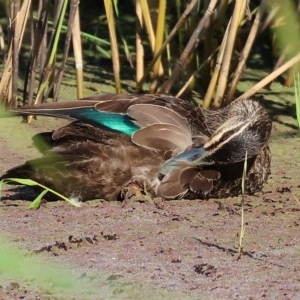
[133,192]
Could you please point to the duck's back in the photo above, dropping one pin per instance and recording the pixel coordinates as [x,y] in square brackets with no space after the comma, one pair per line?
[85,162]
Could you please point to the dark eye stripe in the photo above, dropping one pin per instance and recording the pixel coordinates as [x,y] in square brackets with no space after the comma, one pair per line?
[224,137]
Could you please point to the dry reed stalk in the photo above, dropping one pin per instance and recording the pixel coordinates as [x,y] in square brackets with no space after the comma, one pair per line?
[222,9]
[207,61]
[160,29]
[37,59]
[245,53]
[149,27]
[41,36]
[2,44]
[6,80]
[238,13]
[49,73]
[210,43]
[168,51]
[59,7]
[58,78]
[139,46]
[114,44]
[166,42]
[193,58]
[148,23]
[182,61]
[279,63]
[214,79]
[30,74]
[77,48]
[270,77]
[51,55]
[15,59]
[47,58]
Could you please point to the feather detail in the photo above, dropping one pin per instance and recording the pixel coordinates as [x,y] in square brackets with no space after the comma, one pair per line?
[162,137]
[210,175]
[199,181]
[192,179]
[170,187]
[148,114]
[180,181]
[200,186]
[119,106]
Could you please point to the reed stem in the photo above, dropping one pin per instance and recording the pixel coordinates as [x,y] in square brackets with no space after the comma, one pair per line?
[139,46]
[183,60]
[77,48]
[245,53]
[166,42]
[270,77]
[239,10]
[114,45]
[160,29]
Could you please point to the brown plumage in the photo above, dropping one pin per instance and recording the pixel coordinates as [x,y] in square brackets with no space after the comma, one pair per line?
[173,147]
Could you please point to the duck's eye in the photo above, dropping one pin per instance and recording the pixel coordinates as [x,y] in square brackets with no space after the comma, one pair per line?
[225,136]
[160,176]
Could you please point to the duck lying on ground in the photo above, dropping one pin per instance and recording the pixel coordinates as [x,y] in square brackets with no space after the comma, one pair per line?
[169,146]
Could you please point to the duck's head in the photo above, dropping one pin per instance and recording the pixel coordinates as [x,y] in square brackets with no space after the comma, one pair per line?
[246,128]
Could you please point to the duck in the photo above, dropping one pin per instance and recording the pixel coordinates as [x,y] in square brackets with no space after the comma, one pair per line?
[161,145]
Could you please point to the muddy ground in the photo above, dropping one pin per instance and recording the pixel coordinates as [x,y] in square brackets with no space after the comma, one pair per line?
[159,250]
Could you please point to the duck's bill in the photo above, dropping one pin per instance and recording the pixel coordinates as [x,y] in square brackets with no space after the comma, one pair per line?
[193,157]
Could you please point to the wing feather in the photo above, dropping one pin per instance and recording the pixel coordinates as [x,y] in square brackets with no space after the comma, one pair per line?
[162,137]
[148,114]
[180,181]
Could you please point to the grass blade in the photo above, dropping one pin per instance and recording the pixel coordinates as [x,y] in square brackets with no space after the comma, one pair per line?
[30,182]
[242,233]
[36,203]
[297,97]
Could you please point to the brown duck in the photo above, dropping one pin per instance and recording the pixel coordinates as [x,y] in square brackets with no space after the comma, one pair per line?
[169,146]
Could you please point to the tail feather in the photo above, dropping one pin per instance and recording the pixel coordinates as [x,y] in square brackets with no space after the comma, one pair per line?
[24,171]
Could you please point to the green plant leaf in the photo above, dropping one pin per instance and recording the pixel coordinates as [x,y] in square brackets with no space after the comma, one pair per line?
[35,204]
[1,187]
[243,228]
[22,181]
[30,182]
[297,97]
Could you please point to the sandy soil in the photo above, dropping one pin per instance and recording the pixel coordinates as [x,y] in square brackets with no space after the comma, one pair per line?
[146,250]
